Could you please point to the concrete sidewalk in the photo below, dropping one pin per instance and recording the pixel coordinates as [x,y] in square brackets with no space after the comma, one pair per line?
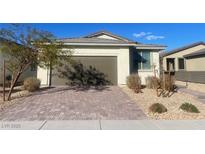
[105,125]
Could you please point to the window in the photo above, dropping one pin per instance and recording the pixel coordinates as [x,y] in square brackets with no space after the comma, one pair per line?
[181,63]
[144,60]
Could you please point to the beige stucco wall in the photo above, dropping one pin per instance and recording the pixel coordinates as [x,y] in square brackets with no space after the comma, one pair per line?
[195,64]
[122,54]
[180,54]
[43,75]
[123,62]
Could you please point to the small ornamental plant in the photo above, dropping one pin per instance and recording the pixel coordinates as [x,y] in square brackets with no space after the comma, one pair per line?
[157,108]
[134,83]
[31,84]
[188,107]
[152,82]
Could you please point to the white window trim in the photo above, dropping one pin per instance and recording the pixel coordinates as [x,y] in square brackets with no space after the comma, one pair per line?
[184,64]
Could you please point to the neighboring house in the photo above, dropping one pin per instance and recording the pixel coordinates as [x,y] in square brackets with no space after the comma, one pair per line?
[30,72]
[188,62]
[115,56]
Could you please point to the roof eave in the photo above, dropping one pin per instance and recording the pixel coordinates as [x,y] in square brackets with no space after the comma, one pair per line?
[194,55]
[144,46]
[183,48]
[97,44]
[152,47]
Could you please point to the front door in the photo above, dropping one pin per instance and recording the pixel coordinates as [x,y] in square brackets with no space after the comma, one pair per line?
[170,64]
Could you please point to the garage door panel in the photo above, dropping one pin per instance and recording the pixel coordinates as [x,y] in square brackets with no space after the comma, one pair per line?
[106,65]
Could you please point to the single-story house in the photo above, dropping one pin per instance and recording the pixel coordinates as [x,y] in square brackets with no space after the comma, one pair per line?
[188,62]
[113,55]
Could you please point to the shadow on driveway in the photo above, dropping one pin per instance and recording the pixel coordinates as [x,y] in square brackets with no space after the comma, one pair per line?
[69,103]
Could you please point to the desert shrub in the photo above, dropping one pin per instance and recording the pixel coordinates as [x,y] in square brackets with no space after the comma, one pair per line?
[31,84]
[134,82]
[188,107]
[157,108]
[169,82]
[8,80]
[152,82]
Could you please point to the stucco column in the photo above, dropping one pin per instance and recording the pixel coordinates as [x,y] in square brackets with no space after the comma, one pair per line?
[123,65]
[43,75]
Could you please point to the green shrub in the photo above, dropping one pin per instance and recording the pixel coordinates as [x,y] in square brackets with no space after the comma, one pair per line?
[134,82]
[188,107]
[31,84]
[9,77]
[8,80]
[152,82]
[157,108]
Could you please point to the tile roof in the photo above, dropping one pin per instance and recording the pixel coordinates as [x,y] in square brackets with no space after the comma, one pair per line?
[109,34]
[94,40]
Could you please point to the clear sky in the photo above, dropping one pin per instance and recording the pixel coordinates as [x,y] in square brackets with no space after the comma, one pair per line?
[172,35]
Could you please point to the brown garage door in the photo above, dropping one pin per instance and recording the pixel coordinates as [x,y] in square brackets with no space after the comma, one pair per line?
[106,65]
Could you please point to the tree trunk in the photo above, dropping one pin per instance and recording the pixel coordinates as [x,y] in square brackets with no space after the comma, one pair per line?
[13,83]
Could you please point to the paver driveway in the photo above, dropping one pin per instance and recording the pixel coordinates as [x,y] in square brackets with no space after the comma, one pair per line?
[62,103]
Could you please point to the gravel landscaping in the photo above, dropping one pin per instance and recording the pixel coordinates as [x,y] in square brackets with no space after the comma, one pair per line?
[148,97]
[19,94]
[143,100]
